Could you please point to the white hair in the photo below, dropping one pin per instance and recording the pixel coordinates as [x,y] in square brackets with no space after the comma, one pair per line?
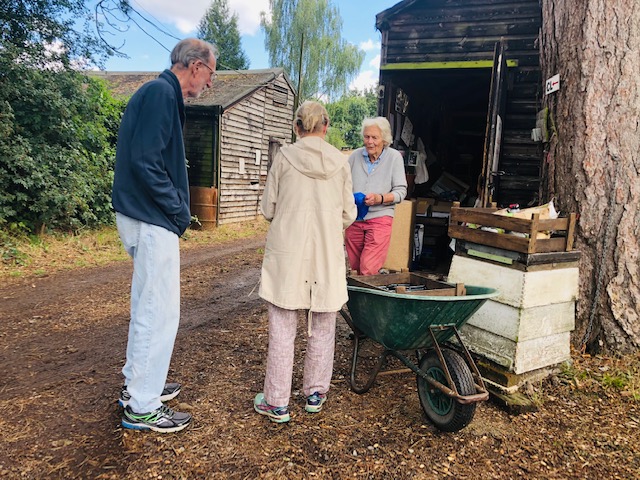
[384,126]
[190,49]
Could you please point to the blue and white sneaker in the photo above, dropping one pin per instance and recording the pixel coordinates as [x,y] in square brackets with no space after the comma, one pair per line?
[315,401]
[170,391]
[275,414]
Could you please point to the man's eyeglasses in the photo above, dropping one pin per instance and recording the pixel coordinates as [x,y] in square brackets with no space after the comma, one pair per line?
[214,75]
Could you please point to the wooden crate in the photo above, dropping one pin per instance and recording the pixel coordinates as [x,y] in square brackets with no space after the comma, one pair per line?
[519,288]
[518,357]
[560,241]
[401,280]
[527,326]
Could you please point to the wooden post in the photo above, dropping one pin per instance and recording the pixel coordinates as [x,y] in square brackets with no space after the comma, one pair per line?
[571,232]
[533,233]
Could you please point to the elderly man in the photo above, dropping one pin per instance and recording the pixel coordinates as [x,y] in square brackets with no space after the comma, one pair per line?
[151,199]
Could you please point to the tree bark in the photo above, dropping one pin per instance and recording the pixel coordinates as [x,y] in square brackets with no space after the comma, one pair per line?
[593,158]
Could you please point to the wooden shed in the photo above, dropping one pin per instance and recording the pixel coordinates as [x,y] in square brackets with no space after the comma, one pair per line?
[232,132]
[462,78]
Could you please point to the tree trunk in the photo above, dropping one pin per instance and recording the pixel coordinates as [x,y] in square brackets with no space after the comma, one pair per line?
[593,159]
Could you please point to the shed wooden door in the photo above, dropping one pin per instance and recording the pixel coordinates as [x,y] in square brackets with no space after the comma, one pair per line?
[201,136]
[493,138]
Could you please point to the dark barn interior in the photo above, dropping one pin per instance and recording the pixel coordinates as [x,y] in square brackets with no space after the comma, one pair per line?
[438,68]
[460,83]
[448,109]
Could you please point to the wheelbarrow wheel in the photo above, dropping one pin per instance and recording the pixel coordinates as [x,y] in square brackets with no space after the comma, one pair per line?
[445,412]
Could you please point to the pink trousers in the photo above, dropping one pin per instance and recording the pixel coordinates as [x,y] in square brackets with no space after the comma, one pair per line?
[367,243]
[318,360]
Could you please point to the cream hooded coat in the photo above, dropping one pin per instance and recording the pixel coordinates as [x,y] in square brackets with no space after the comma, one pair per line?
[309,200]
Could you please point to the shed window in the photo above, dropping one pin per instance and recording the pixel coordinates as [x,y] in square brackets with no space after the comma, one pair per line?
[280,95]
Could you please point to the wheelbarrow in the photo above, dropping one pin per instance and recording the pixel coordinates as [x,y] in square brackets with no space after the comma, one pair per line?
[409,311]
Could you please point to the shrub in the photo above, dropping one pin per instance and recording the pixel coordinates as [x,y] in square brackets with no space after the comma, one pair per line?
[57,149]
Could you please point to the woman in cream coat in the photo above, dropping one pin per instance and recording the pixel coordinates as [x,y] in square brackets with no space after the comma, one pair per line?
[309,200]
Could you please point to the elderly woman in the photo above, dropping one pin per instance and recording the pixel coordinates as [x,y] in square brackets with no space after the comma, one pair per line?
[308,198]
[377,171]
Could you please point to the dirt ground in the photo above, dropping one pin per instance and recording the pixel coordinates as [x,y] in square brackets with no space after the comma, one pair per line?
[62,344]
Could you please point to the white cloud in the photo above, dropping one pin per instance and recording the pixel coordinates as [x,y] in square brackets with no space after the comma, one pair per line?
[370,45]
[52,50]
[249,14]
[366,79]
[185,15]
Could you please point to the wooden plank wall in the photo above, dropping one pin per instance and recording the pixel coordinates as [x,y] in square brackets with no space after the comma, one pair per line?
[463,30]
[247,127]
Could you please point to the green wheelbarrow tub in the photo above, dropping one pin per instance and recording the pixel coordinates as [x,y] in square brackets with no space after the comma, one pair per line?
[402,321]
[408,311]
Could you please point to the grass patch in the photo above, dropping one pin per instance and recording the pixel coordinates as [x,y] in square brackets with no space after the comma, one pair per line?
[25,256]
[224,233]
[617,375]
[619,381]
[570,372]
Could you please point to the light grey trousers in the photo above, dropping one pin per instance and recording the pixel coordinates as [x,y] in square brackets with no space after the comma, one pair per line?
[318,359]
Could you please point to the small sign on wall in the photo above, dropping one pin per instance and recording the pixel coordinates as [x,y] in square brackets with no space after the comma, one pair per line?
[553,84]
[258,156]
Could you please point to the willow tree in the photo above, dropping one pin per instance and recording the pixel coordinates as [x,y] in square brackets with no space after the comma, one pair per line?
[220,27]
[594,157]
[305,38]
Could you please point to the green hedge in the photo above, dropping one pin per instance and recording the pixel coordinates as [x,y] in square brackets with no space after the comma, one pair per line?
[57,148]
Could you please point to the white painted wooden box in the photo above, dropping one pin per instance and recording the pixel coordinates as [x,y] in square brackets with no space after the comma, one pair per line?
[527,326]
[539,285]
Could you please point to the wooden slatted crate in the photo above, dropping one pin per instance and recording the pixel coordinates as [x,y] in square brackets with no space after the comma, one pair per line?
[401,281]
[561,239]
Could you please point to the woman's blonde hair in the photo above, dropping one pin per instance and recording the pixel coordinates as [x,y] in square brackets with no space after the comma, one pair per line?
[311,117]
[384,126]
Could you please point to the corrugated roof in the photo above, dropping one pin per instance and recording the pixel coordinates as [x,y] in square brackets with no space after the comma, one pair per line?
[229,87]
[124,84]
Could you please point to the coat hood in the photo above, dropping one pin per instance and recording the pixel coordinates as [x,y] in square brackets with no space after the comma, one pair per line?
[314,157]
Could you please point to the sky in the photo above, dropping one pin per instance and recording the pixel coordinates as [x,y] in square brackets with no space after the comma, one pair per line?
[180,18]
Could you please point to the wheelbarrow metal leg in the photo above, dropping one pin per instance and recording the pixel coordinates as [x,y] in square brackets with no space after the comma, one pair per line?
[481,391]
[472,365]
[358,336]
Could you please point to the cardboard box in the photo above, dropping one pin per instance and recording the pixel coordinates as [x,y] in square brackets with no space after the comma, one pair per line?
[448,186]
[422,205]
[428,206]
[401,244]
[441,207]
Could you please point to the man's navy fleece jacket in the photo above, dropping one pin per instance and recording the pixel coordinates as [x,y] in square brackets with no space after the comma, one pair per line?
[150,181]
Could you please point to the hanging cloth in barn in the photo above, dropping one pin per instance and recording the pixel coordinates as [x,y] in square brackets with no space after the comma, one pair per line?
[422,174]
